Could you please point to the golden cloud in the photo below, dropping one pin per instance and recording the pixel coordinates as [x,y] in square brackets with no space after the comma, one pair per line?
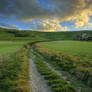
[52,25]
[63,10]
[49,26]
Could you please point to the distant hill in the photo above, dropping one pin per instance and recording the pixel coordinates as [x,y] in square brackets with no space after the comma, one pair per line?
[10,34]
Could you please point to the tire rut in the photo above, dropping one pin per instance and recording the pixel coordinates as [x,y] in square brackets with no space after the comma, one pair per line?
[37,82]
[79,88]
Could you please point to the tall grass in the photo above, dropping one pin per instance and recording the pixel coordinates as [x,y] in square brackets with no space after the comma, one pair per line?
[53,79]
[76,66]
[14,74]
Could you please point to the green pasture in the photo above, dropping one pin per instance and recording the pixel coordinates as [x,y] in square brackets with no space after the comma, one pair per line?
[80,48]
[9,47]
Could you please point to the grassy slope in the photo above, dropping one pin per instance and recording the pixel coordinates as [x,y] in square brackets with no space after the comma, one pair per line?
[62,35]
[10,69]
[71,47]
[6,34]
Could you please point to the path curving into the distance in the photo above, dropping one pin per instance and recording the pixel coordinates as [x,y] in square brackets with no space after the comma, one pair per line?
[81,87]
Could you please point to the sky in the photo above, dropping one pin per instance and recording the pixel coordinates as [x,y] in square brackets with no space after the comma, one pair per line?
[46,15]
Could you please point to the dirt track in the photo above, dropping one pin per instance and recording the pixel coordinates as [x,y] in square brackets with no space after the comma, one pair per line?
[37,82]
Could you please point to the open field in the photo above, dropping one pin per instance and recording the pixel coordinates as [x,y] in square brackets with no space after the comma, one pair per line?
[14,72]
[9,47]
[63,68]
[79,48]
[72,58]
[69,56]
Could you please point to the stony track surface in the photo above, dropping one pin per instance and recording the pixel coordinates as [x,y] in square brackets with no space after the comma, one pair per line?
[81,87]
[37,82]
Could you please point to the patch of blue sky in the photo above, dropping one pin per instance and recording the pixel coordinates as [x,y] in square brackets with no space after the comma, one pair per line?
[11,21]
[90,19]
[1,15]
[69,24]
[46,4]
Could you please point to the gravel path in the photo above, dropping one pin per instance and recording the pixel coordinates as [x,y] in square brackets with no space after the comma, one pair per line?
[81,87]
[37,82]
[50,66]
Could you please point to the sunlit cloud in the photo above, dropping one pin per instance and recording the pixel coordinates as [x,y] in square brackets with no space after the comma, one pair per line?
[49,12]
[49,26]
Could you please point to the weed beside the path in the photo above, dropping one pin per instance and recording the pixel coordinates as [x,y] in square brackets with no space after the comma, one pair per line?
[77,66]
[53,79]
[14,72]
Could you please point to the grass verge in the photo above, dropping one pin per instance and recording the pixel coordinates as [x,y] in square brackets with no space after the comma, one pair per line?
[14,72]
[53,79]
[79,67]
[9,47]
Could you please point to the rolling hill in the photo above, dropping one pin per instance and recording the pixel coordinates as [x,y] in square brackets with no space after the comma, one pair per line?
[10,34]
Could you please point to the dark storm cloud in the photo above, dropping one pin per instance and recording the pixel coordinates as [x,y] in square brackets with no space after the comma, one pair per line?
[23,9]
[7,8]
[62,9]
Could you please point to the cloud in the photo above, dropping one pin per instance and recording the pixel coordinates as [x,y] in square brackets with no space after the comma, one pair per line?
[23,9]
[62,10]
[49,26]
[9,26]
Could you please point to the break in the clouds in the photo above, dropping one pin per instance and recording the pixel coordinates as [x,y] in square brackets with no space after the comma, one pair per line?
[57,10]
[9,26]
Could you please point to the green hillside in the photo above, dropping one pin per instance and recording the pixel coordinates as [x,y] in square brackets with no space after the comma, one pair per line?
[9,34]
[14,54]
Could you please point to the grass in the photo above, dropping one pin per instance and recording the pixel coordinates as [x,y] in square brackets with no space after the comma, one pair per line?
[14,72]
[10,47]
[10,34]
[78,66]
[14,69]
[79,48]
[53,79]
